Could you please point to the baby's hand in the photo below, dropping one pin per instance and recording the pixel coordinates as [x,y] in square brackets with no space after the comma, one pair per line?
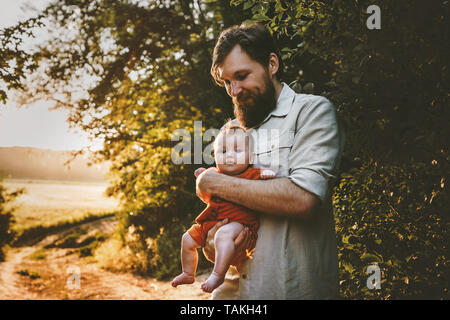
[198,171]
[267,174]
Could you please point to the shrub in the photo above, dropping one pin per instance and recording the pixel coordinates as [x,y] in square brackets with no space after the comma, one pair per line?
[385,217]
[6,219]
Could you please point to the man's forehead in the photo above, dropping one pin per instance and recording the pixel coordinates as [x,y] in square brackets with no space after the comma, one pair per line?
[235,62]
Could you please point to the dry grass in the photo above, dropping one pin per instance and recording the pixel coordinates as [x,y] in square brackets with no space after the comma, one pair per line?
[48,203]
[113,256]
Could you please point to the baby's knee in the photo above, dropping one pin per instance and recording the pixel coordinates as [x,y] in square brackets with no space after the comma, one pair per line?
[228,232]
[188,242]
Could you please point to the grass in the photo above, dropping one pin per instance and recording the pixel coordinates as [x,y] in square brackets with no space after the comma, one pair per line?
[50,206]
[111,255]
[39,254]
[32,274]
[85,247]
[49,203]
[39,232]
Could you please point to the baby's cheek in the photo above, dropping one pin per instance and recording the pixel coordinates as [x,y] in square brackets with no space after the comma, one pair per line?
[218,158]
[243,159]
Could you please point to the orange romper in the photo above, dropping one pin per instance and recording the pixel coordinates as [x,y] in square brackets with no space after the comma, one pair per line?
[220,209]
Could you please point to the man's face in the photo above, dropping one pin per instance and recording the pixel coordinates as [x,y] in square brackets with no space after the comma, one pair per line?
[249,85]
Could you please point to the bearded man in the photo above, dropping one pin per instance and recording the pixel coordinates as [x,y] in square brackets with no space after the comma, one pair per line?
[295,255]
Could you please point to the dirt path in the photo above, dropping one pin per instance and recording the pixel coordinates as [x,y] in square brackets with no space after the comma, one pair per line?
[59,273]
[10,287]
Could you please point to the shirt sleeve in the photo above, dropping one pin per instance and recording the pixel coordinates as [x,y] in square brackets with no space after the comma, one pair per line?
[317,147]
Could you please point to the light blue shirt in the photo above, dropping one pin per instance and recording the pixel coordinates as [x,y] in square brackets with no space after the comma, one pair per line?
[295,259]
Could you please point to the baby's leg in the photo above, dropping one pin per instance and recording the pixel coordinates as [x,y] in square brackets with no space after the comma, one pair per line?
[225,250]
[189,261]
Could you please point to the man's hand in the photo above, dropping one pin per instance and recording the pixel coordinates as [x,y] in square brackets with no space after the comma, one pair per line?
[205,181]
[244,241]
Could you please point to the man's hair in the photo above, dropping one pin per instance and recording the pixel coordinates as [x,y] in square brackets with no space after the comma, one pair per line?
[254,39]
[232,128]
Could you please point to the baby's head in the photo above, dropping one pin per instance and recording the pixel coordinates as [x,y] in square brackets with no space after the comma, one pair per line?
[233,149]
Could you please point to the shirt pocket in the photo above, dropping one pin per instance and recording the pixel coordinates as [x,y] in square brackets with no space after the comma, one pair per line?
[273,152]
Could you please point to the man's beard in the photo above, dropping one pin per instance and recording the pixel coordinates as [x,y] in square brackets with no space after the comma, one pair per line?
[252,113]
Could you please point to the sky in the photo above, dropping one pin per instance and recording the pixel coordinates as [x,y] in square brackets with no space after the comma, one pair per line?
[35,125]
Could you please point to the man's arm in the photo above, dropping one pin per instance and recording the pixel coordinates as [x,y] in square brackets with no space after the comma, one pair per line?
[276,196]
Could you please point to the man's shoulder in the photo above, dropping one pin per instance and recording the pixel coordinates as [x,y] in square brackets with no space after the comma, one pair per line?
[312,105]
[306,100]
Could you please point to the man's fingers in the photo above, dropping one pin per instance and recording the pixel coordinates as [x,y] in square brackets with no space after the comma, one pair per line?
[246,239]
[219,224]
[214,229]
[240,240]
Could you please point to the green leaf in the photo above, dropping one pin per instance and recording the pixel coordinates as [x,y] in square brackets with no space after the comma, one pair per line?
[248,5]
[261,17]
[369,257]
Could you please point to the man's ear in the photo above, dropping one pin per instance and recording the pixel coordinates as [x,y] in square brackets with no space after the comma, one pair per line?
[274,64]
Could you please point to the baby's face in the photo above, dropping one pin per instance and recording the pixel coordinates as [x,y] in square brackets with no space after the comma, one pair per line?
[231,152]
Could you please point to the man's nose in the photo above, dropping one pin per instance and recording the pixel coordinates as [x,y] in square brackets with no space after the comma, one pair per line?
[235,89]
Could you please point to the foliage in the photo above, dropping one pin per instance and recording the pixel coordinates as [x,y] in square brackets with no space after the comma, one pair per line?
[15,61]
[393,216]
[6,218]
[390,87]
[132,72]
[139,72]
[35,233]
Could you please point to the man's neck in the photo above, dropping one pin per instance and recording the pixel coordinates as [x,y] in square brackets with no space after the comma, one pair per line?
[278,88]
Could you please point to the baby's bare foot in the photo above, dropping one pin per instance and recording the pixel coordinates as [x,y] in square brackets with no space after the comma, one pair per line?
[213,282]
[183,278]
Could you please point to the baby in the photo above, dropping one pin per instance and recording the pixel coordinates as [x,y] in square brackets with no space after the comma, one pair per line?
[233,152]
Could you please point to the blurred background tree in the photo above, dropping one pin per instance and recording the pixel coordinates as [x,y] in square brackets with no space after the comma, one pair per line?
[15,64]
[132,72]
[7,234]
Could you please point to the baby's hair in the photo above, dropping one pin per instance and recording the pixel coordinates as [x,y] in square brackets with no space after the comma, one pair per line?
[231,128]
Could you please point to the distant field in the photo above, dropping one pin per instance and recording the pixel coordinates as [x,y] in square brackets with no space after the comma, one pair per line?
[48,202]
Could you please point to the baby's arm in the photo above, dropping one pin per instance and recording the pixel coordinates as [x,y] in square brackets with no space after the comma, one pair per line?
[267,174]
[198,171]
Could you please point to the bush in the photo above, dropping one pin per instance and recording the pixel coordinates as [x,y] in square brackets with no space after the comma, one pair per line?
[6,219]
[388,86]
[158,255]
[385,217]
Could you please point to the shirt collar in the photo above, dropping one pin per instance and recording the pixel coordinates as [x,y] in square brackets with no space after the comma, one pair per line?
[284,101]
